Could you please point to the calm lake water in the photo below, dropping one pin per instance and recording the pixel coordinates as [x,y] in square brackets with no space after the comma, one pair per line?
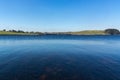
[62,57]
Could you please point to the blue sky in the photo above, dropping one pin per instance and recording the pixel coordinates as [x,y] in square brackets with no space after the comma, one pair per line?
[59,15]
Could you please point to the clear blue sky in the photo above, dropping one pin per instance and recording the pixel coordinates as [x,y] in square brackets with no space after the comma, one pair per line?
[59,15]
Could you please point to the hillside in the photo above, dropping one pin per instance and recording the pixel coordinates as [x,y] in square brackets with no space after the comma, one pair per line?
[88,32]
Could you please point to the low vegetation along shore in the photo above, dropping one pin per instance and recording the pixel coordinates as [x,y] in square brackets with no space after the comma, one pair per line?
[85,32]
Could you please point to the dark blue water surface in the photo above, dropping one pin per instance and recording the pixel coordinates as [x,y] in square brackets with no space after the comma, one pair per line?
[59,57]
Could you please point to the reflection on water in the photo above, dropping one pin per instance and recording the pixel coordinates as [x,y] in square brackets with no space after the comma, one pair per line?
[89,58]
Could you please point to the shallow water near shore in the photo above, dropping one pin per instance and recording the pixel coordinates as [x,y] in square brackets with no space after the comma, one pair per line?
[65,57]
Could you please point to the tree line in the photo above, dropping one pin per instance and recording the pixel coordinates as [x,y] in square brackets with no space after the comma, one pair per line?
[21,31]
[112,31]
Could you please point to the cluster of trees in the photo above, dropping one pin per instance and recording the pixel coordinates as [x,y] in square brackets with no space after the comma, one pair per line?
[21,31]
[112,31]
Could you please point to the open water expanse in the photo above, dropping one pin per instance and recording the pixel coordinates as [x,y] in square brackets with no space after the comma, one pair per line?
[59,57]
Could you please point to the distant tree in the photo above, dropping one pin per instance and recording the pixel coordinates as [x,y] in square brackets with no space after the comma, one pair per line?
[112,31]
[4,29]
[12,30]
[20,31]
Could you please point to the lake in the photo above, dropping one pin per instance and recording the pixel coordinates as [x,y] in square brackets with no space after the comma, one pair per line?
[59,57]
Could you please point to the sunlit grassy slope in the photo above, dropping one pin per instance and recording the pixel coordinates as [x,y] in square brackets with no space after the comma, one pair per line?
[89,32]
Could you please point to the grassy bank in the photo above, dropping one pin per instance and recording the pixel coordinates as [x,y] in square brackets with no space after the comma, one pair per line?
[13,33]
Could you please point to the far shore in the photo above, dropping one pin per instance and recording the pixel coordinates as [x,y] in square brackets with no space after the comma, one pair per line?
[85,32]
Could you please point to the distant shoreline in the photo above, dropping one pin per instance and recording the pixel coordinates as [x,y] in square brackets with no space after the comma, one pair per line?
[88,32]
[85,32]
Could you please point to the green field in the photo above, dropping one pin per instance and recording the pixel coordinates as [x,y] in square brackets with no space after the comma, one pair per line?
[13,33]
